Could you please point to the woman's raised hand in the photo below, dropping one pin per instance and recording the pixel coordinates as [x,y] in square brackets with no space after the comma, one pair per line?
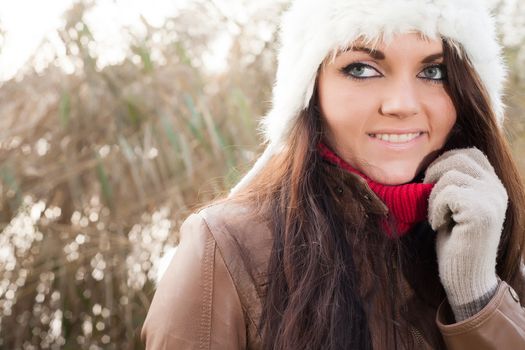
[467,209]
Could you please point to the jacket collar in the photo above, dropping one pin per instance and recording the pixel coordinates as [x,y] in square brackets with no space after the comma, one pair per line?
[342,183]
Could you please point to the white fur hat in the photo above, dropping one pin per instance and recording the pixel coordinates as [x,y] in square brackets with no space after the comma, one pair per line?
[311,30]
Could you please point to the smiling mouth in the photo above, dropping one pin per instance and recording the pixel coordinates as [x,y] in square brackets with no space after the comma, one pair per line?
[397,138]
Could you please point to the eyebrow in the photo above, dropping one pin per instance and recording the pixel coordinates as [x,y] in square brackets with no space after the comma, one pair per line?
[378,55]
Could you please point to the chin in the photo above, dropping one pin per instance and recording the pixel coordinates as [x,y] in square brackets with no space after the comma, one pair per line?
[393,178]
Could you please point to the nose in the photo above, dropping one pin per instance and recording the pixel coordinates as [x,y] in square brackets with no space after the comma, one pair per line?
[401,100]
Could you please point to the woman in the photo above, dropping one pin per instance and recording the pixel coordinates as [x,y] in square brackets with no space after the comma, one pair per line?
[386,211]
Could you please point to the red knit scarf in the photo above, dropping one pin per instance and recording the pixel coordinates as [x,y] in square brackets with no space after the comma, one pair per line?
[407,203]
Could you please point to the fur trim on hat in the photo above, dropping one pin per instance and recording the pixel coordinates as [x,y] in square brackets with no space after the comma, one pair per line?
[312,30]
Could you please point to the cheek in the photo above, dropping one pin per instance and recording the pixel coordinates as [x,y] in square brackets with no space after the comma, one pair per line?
[345,121]
[343,107]
[444,118]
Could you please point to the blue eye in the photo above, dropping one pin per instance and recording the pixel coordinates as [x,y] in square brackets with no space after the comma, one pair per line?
[360,71]
[436,73]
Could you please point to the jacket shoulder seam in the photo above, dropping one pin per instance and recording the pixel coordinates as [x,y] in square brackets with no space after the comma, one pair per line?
[208,267]
[239,290]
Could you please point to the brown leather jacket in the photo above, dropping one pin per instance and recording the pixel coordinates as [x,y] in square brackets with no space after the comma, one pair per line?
[210,295]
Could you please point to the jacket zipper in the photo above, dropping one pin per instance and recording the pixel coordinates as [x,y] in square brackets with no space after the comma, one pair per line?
[416,333]
[418,337]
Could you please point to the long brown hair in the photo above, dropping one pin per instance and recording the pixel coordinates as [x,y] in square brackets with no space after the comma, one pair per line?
[331,266]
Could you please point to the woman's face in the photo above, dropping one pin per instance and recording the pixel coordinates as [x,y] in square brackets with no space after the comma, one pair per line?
[387,111]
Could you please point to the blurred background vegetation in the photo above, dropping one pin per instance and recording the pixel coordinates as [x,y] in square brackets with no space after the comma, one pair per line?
[99,164]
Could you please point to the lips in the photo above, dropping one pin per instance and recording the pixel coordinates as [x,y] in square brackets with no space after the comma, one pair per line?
[396,140]
[396,137]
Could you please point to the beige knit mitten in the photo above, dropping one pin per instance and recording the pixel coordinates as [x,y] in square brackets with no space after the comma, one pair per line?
[467,209]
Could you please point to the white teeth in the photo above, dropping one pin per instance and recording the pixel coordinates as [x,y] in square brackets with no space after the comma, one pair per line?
[396,138]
